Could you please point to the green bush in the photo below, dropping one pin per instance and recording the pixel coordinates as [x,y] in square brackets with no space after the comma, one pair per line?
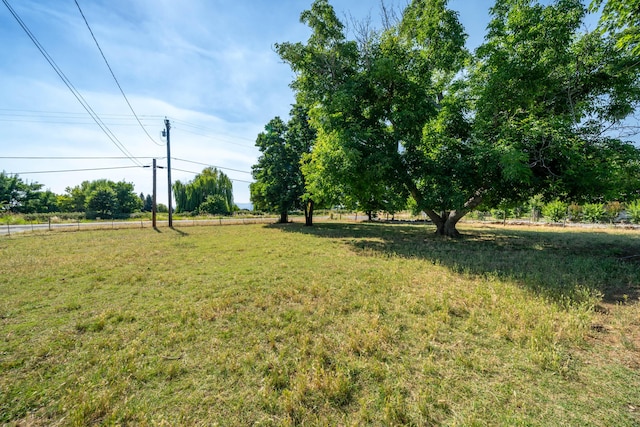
[555,211]
[593,212]
[612,210]
[575,212]
[54,216]
[535,206]
[633,210]
[215,205]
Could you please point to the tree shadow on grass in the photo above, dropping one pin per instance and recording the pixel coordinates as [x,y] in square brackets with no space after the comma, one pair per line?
[565,266]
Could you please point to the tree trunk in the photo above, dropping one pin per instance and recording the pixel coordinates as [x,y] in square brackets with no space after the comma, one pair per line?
[446,222]
[284,217]
[308,213]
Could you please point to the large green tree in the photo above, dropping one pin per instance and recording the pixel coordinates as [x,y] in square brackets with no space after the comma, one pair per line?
[545,96]
[103,201]
[19,196]
[409,109]
[279,183]
[83,197]
[352,162]
[210,182]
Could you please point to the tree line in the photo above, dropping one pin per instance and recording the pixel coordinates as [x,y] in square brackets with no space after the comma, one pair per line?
[211,192]
[407,115]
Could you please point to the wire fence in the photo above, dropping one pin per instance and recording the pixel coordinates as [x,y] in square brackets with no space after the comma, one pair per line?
[9,229]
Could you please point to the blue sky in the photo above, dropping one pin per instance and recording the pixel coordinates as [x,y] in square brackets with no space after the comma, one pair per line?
[207,65]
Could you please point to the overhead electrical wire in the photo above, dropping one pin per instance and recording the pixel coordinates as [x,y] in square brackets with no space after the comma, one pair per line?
[73,158]
[196,173]
[206,129]
[207,164]
[113,75]
[71,87]
[30,113]
[40,116]
[57,122]
[193,125]
[67,118]
[73,170]
[116,158]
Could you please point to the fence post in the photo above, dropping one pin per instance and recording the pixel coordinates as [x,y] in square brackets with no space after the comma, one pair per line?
[49,223]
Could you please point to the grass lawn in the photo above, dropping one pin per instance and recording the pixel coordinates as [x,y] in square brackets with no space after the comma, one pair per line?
[337,324]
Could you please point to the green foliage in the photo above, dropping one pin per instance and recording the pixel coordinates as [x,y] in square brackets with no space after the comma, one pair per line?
[535,206]
[408,110]
[612,210]
[622,19]
[575,212]
[543,92]
[147,202]
[76,198]
[211,182]
[279,182]
[214,205]
[103,201]
[633,210]
[593,212]
[18,196]
[96,197]
[555,210]
[128,201]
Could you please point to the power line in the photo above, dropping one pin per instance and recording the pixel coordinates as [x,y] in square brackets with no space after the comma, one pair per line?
[210,130]
[207,164]
[69,113]
[58,122]
[217,139]
[5,112]
[113,74]
[197,173]
[73,170]
[66,118]
[71,158]
[116,158]
[71,87]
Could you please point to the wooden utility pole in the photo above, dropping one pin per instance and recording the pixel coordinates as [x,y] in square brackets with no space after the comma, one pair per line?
[154,208]
[168,128]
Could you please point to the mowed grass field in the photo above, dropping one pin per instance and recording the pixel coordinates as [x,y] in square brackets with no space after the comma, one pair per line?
[337,324]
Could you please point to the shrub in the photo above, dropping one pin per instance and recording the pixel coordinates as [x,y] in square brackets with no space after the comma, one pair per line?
[215,205]
[555,211]
[612,210]
[535,206]
[501,213]
[593,212]
[575,212]
[633,209]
